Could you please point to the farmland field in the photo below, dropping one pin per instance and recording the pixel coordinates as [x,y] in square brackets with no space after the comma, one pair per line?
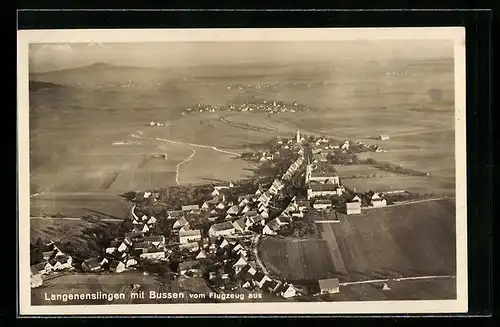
[409,240]
[295,259]
[62,229]
[418,184]
[407,290]
[79,204]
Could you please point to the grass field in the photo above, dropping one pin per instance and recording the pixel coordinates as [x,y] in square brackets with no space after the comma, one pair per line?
[404,241]
[394,182]
[107,205]
[295,259]
[409,240]
[438,289]
[63,230]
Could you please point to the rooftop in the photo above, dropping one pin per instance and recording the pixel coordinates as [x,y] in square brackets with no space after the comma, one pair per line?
[322,187]
[330,283]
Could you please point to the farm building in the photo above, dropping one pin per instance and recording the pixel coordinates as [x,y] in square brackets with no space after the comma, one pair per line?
[180,223]
[353,208]
[176,214]
[315,190]
[156,240]
[287,291]
[303,204]
[117,266]
[92,264]
[329,286]
[153,255]
[376,200]
[322,204]
[321,176]
[188,236]
[62,262]
[225,228]
[201,255]
[41,268]
[189,208]
[383,137]
[239,224]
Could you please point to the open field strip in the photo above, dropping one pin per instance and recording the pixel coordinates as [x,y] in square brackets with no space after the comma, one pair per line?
[327,234]
[181,163]
[199,145]
[76,218]
[397,279]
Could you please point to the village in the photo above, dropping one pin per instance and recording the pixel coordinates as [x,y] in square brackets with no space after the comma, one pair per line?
[271,107]
[223,250]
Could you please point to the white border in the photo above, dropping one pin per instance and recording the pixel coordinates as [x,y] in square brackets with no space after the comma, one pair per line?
[457,34]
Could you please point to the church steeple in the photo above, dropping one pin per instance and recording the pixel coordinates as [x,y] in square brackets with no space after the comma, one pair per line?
[298,136]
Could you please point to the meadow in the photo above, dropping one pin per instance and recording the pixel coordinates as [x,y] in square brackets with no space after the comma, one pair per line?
[297,259]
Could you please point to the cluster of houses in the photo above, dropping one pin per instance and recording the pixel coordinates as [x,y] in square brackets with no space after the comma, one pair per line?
[54,260]
[263,106]
[232,265]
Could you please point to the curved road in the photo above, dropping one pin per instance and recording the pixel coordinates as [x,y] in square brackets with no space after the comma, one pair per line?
[181,163]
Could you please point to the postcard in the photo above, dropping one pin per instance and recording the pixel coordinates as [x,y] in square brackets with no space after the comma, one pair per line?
[242,171]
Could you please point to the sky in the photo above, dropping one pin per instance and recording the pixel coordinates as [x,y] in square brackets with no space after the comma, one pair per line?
[55,56]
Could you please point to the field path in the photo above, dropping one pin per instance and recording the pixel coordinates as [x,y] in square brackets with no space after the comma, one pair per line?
[181,163]
[397,279]
[200,146]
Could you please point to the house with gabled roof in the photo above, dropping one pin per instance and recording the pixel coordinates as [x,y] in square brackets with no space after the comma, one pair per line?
[92,264]
[180,223]
[152,220]
[201,255]
[259,279]
[117,266]
[234,210]
[156,240]
[41,268]
[330,285]
[191,207]
[225,228]
[175,214]
[287,291]
[141,228]
[62,262]
[239,224]
[187,236]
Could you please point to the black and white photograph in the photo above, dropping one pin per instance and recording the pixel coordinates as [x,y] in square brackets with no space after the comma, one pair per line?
[242,171]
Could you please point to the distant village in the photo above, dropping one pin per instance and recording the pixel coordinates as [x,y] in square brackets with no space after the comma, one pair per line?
[224,251]
[271,107]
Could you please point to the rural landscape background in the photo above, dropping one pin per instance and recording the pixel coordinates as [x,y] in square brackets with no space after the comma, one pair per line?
[90,139]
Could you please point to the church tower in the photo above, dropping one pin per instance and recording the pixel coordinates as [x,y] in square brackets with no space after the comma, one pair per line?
[298,136]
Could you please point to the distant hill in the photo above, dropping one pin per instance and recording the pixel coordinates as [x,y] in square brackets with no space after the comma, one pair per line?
[39,85]
[102,74]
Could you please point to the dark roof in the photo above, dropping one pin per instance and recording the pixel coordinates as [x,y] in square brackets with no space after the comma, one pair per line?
[185,265]
[154,238]
[323,187]
[134,234]
[258,276]
[93,262]
[322,202]
[114,264]
[329,283]
[222,226]
[267,285]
